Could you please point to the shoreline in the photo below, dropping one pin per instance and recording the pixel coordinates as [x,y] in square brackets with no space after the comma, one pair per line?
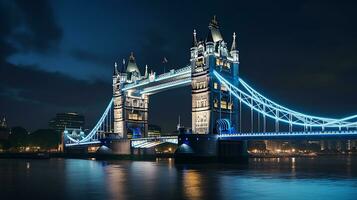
[46,155]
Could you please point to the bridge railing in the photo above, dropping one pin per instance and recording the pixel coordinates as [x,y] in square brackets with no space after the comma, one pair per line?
[171,74]
[103,125]
[257,102]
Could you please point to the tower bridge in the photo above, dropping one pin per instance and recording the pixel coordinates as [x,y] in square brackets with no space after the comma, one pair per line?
[218,95]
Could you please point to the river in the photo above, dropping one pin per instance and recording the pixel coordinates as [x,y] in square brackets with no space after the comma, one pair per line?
[274,178]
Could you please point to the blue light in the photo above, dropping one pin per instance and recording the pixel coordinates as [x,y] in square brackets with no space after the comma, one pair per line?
[179,72]
[272,109]
[288,134]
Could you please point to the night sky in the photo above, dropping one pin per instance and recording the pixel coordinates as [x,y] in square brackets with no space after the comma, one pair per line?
[57,56]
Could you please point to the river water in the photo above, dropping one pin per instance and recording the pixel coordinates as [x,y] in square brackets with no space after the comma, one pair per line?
[277,178]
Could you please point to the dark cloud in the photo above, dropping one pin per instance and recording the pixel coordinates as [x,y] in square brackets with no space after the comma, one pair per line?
[47,91]
[300,53]
[30,96]
[91,57]
[28,26]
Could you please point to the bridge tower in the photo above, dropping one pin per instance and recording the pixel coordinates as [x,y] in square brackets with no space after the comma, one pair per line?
[130,107]
[214,110]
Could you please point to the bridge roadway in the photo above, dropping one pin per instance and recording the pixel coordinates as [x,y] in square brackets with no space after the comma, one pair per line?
[313,135]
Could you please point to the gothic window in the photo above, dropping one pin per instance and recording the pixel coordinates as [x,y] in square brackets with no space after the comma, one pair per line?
[228,65]
[230,105]
[223,88]
[134,116]
[215,103]
[223,104]
[217,62]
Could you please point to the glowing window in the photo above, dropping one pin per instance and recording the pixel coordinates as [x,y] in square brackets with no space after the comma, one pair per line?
[134,116]
[215,103]
[223,88]
[217,61]
[215,85]
[230,105]
[224,104]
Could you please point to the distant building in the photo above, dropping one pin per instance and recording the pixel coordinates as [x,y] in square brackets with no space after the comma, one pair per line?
[66,120]
[154,131]
[338,145]
[4,130]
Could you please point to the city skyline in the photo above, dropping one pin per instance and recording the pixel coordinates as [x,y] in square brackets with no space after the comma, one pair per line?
[56,46]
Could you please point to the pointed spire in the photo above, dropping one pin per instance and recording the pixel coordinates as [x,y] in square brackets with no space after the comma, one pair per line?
[146,71]
[3,123]
[214,29]
[179,123]
[132,58]
[194,42]
[115,70]
[123,66]
[214,22]
[234,44]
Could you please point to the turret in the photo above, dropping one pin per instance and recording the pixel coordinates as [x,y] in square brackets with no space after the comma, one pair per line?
[146,72]
[209,44]
[213,26]
[115,78]
[123,66]
[3,123]
[194,41]
[234,51]
[194,46]
[115,69]
[132,69]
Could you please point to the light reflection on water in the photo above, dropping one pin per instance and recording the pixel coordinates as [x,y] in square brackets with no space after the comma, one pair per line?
[276,178]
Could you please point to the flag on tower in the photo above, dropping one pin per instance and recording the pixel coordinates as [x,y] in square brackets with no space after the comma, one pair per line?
[164,60]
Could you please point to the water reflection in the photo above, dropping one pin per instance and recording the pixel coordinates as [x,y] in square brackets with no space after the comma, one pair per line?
[192,184]
[262,178]
[116,176]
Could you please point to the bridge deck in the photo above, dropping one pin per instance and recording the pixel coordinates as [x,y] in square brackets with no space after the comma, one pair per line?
[318,135]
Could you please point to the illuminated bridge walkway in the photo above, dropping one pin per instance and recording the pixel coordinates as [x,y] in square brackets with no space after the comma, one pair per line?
[154,84]
[299,125]
[154,141]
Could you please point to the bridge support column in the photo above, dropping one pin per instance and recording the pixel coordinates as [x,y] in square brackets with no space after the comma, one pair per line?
[196,148]
[208,147]
[131,115]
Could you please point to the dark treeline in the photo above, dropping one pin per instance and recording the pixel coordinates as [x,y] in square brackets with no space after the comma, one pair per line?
[20,138]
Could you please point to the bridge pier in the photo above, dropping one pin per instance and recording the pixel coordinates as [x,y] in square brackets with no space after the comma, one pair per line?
[209,148]
[117,146]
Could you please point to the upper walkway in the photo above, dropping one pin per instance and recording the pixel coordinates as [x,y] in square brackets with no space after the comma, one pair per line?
[169,80]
